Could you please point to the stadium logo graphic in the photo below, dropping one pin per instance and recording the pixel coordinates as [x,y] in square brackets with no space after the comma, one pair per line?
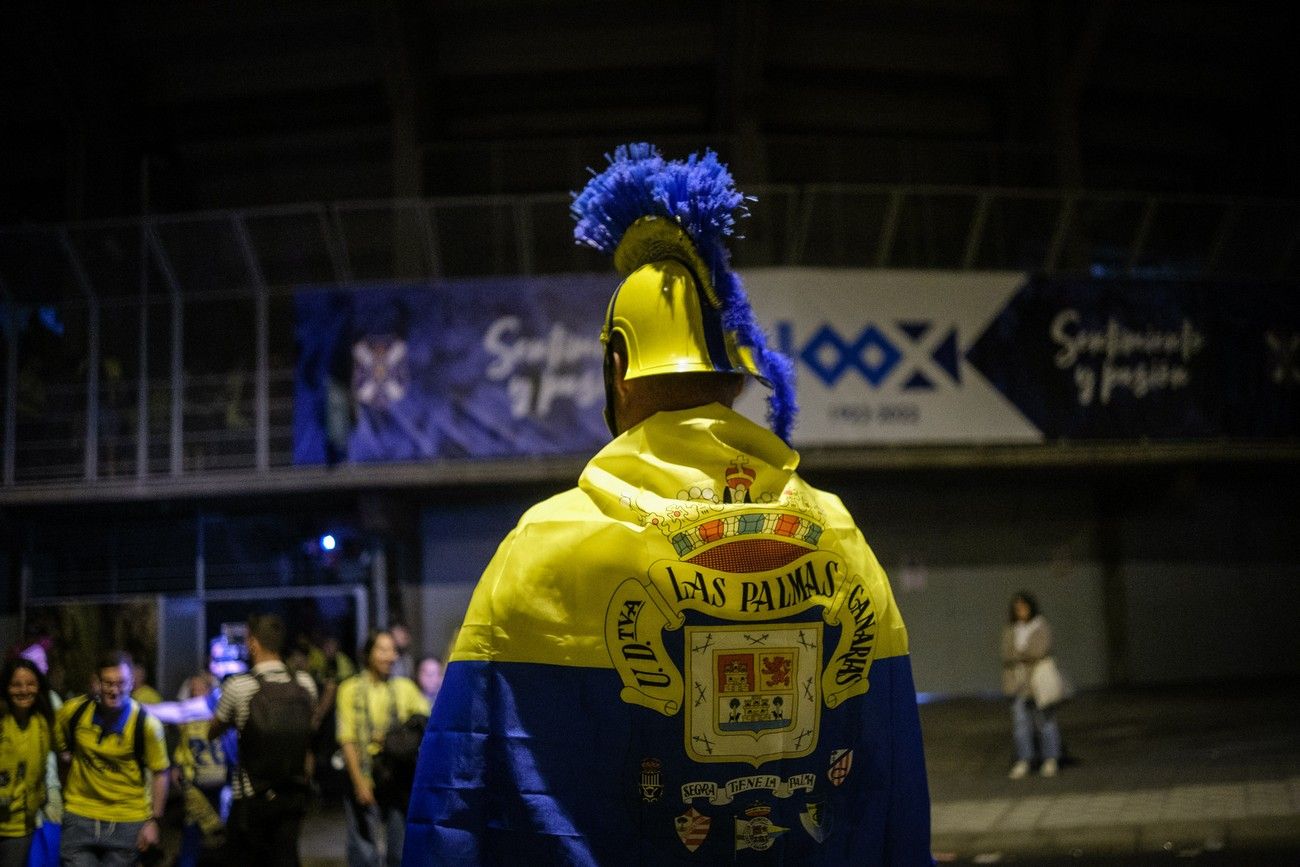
[381,372]
[917,354]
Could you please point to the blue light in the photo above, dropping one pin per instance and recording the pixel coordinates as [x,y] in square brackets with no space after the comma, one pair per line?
[327,542]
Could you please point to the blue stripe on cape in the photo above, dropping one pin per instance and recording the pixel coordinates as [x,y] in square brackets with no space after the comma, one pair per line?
[541,764]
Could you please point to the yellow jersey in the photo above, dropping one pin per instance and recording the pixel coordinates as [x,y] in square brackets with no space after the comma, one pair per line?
[22,773]
[366,708]
[105,781]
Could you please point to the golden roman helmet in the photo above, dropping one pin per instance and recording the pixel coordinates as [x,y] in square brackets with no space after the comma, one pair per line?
[667,308]
[680,308]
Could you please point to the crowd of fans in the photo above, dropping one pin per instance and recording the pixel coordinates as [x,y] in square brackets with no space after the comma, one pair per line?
[172,785]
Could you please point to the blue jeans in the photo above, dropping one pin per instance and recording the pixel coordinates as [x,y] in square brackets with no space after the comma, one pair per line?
[96,843]
[389,821]
[1026,721]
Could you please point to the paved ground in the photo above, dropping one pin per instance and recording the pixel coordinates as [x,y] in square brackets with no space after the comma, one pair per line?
[1153,776]
[1187,770]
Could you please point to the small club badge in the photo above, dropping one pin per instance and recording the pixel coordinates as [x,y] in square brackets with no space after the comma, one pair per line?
[692,827]
[757,831]
[815,821]
[652,788]
[841,762]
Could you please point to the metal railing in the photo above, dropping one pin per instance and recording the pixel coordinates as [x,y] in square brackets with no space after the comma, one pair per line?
[177,330]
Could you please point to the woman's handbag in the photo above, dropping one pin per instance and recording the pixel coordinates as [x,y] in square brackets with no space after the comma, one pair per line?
[393,768]
[1047,685]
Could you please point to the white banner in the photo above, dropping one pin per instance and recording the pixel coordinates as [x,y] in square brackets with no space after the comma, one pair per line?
[880,355]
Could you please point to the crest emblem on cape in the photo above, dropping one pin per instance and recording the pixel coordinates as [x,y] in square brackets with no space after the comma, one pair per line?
[757,691]
[841,762]
[816,821]
[739,479]
[692,827]
[757,831]
[651,785]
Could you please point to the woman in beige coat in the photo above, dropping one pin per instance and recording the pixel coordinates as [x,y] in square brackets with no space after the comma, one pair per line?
[1026,640]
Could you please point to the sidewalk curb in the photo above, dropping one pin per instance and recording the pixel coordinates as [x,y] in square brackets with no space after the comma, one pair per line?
[1254,832]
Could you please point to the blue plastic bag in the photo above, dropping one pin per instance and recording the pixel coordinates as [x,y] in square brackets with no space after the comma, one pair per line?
[45,846]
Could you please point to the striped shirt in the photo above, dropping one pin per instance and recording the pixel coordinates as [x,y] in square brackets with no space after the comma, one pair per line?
[236,694]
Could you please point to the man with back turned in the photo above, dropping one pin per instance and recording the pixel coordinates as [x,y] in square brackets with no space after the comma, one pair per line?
[271,709]
[692,655]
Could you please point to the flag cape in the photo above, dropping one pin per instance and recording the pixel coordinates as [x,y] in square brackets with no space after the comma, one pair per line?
[692,656]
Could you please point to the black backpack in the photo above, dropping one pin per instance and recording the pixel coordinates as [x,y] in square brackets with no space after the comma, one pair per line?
[274,741]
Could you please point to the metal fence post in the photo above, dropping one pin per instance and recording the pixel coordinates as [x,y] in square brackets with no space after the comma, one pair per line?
[976,233]
[1143,231]
[1063,219]
[890,228]
[261,375]
[11,384]
[142,380]
[91,455]
[176,435]
[524,236]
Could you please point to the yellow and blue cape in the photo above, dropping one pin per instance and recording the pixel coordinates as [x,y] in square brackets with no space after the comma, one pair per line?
[693,656]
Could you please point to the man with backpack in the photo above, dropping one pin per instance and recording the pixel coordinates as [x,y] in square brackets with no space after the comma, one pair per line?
[272,711]
[107,746]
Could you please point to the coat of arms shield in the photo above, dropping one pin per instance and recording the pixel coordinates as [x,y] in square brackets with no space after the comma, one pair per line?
[757,691]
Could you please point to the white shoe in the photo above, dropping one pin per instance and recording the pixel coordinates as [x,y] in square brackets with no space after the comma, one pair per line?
[1049,768]
[1019,770]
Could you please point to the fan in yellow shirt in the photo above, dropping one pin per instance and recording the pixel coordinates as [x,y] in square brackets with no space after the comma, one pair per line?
[370,705]
[24,743]
[107,745]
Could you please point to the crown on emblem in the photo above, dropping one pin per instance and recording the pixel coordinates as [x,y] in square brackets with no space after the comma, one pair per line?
[758,811]
[649,765]
[738,475]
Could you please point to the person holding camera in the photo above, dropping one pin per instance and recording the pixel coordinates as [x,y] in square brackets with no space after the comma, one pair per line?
[381,718]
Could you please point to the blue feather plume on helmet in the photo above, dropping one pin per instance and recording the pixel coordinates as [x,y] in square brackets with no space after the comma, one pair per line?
[699,194]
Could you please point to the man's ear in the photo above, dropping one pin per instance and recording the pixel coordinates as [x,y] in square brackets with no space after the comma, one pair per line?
[737,388]
[620,374]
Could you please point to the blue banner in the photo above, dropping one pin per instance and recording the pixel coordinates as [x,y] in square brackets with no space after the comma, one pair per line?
[1148,359]
[511,366]
[454,369]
